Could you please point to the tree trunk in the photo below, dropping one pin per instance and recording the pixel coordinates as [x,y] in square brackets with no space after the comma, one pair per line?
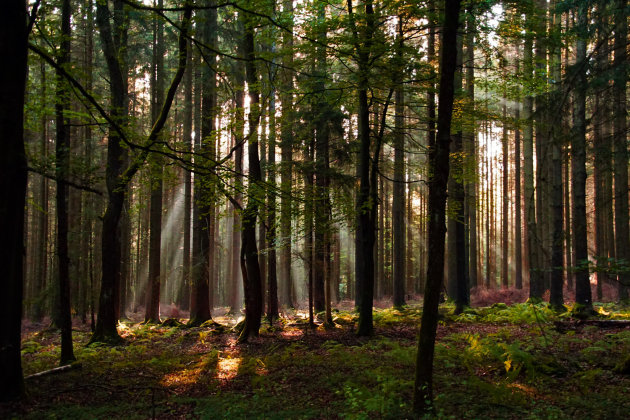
[622,237]
[286,167]
[204,207]
[439,170]
[272,281]
[252,280]
[398,199]
[366,202]
[578,169]
[13,47]
[535,279]
[471,152]
[41,270]
[505,203]
[152,309]
[62,164]
[184,292]
[309,224]
[236,300]
[110,238]
[117,181]
[556,298]
[321,276]
[518,198]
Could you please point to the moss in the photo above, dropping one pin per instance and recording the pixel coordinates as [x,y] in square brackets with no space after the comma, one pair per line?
[623,366]
[581,311]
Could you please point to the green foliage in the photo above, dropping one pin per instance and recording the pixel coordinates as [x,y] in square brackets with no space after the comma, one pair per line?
[501,369]
[392,316]
[520,313]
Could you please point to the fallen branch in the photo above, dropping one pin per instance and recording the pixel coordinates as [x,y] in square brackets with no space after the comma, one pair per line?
[56,370]
[601,323]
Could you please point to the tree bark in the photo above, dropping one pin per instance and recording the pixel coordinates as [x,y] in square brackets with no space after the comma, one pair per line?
[62,164]
[13,174]
[398,199]
[287,293]
[471,152]
[204,206]
[556,298]
[252,280]
[439,170]
[117,181]
[622,230]
[578,169]
[535,280]
[152,309]
[184,292]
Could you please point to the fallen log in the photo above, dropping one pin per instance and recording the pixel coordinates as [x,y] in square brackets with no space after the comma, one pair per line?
[600,323]
[56,370]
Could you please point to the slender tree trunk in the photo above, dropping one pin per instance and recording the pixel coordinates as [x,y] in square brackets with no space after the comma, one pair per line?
[622,230]
[518,198]
[322,138]
[535,279]
[567,219]
[235,296]
[309,225]
[286,167]
[62,163]
[272,280]
[439,170]
[152,309]
[41,271]
[505,203]
[583,299]
[398,199]
[542,144]
[204,208]
[556,298]
[471,152]
[184,292]
[252,280]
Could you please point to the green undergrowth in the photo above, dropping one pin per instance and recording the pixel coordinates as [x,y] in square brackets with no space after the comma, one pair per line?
[495,362]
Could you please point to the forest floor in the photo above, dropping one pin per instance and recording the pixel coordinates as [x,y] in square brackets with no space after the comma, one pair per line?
[516,362]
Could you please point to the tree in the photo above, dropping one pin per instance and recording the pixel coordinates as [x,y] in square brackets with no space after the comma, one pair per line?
[204,208]
[622,230]
[286,149]
[152,309]
[398,199]
[184,295]
[252,280]
[556,298]
[584,303]
[117,177]
[62,158]
[367,197]
[438,177]
[13,47]
[528,173]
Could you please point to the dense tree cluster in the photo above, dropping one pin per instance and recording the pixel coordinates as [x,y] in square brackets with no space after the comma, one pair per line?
[185,156]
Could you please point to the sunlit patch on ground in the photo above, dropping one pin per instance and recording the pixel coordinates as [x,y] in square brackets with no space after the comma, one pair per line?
[227,367]
[292,334]
[529,390]
[184,377]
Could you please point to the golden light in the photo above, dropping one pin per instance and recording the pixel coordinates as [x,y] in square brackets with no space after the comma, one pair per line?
[227,367]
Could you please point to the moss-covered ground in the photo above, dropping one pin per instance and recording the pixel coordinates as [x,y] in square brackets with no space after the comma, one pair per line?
[511,362]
